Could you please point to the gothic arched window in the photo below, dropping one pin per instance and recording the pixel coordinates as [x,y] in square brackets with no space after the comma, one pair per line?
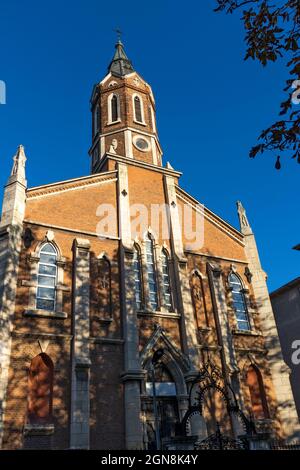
[40,390]
[151,272]
[198,299]
[138,113]
[114,108]
[137,273]
[47,278]
[257,393]
[239,302]
[166,281]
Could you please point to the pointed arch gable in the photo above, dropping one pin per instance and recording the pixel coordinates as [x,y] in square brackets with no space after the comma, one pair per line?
[137,246]
[166,250]
[175,361]
[104,255]
[237,275]
[150,233]
[40,245]
[197,272]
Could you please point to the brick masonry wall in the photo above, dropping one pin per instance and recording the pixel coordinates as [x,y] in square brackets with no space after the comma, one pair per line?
[76,210]
[65,210]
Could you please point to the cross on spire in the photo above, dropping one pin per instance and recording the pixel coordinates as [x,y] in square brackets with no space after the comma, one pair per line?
[119,34]
[120,64]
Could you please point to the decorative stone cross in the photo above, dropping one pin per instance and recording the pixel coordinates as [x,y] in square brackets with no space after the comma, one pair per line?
[104,282]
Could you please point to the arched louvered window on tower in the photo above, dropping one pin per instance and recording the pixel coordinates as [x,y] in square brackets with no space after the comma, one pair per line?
[151,273]
[239,302]
[96,119]
[47,278]
[114,103]
[138,113]
[137,274]
[166,281]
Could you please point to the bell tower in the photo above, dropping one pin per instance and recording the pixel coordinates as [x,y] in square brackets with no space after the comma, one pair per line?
[123,116]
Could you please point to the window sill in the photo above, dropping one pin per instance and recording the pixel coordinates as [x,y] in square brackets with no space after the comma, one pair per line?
[204,329]
[38,429]
[103,321]
[140,123]
[113,122]
[142,313]
[245,290]
[44,314]
[246,333]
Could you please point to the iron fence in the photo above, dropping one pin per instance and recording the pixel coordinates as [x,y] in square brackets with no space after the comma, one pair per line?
[282,445]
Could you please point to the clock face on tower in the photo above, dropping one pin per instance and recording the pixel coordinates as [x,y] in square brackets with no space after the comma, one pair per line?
[141,143]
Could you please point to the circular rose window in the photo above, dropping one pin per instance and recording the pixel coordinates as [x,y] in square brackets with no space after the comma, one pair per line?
[141,144]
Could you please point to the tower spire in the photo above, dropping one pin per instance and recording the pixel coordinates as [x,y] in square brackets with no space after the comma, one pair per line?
[123,116]
[244,223]
[14,198]
[120,64]
[18,169]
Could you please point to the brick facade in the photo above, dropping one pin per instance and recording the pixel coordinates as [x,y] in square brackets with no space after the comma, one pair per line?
[99,342]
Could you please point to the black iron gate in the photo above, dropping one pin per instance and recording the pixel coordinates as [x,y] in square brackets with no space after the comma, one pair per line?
[219,441]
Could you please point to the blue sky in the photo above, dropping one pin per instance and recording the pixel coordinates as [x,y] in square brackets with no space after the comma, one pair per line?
[211,105]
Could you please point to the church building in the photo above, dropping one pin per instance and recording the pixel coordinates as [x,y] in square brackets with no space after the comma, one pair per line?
[132,316]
